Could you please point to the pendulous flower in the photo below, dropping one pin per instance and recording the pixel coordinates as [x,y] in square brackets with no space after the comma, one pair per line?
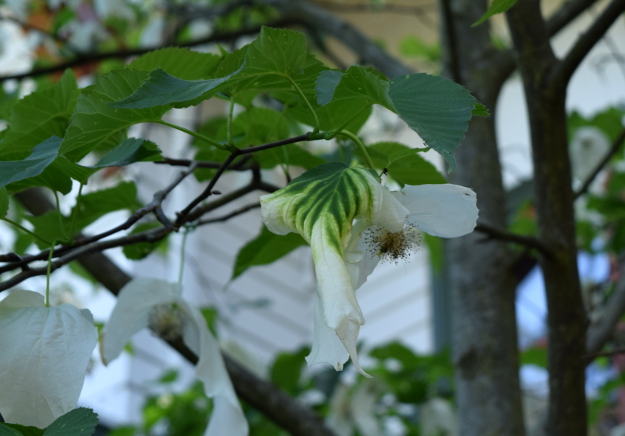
[351,221]
[154,303]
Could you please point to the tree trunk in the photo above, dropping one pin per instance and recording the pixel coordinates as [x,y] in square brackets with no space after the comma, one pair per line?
[484,339]
[567,322]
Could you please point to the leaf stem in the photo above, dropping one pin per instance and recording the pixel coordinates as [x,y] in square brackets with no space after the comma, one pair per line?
[360,145]
[75,211]
[310,108]
[183,245]
[24,229]
[48,272]
[230,121]
[60,216]
[192,133]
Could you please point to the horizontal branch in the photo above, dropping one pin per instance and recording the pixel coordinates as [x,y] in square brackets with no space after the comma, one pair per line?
[67,254]
[504,235]
[236,166]
[90,58]
[152,235]
[317,19]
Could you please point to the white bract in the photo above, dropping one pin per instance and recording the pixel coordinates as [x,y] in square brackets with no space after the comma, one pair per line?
[351,221]
[44,353]
[154,303]
[588,147]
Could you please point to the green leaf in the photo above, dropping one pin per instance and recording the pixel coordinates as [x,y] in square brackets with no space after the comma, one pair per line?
[286,370]
[326,84]
[534,356]
[141,250]
[332,115]
[42,155]
[276,51]
[210,315]
[161,88]
[57,176]
[437,109]
[292,155]
[179,62]
[78,422]
[94,122]
[403,164]
[52,225]
[8,430]
[359,85]
[264,65]
[4,202]
[25,430]
[414,47]
[610,121]
[169,376]
[266,248]
[39,116]
[7,101]
[496,7]
[129,151]
[257,126]
[435,247]
[479,110]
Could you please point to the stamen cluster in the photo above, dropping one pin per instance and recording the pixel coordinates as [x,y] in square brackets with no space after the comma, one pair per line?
[392,246]
[167,320]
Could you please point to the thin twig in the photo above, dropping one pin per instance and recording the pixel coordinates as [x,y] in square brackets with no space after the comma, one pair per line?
[10,257]
[368,7]
[223,218]
[237,166]
[586,41]
[207,192]
[152,235]
[123,54]
[71,253]
[613,352]
[304,137]
[504,235]
[616,146]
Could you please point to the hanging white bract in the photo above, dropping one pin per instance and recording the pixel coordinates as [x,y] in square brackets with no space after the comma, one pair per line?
[154,303]
[44,353]
[332,206]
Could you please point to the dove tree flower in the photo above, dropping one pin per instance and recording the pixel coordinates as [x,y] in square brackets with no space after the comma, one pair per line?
[43,359]
[351,221]
[589,146]
[154,303]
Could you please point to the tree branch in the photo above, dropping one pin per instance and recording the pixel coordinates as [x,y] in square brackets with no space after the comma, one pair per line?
[223,218]
[68,253]
[601,331]
[89,58]
[317,18]
[616,146]
[504,235]
[567,13]
[264,396]
[587,41]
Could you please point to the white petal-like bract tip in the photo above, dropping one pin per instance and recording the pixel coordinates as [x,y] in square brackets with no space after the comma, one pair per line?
[446,210]
[43,359]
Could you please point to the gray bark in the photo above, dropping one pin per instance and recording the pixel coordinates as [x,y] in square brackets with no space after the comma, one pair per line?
[484,335]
